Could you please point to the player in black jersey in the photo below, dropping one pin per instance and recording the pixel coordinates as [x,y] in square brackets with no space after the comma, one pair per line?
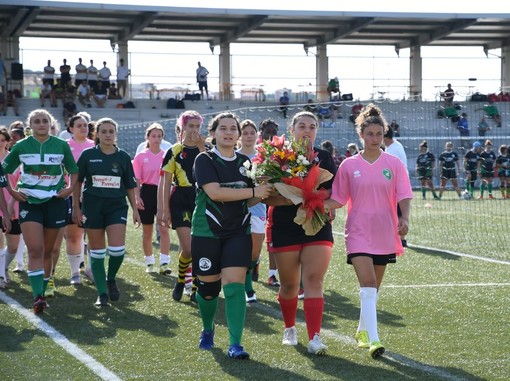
[449,167]
[487,162]
[471,164]
[503,170]
[221,242]
[425,164]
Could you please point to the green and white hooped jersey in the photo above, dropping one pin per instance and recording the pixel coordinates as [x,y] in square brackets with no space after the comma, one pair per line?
[43,167]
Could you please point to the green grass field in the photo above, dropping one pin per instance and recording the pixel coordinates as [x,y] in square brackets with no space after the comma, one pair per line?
[441,317]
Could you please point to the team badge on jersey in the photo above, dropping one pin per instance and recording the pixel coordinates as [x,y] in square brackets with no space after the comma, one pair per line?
[387,173]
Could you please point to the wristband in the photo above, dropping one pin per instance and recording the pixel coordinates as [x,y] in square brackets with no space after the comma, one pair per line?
[253,192]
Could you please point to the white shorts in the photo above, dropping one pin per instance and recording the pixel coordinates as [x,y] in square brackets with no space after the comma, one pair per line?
[258,224]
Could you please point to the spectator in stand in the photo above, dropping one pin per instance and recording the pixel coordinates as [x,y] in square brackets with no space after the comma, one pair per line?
[202,74]
[310,106]
[104,75]
[463,127]
[483,127]
[448,95]
[84,94]
[47,92]
[65,73]
[49,74]
[333,88]
[92,76]
[449,168]
[8,99]
[492,112]
[355,111]
[284,101]
[59,90]
[396,128]
[69,109]
[81,73]
[122,75]
[112,92]
[100,94]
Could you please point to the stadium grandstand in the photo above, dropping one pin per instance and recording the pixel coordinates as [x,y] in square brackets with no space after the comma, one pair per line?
[314,30]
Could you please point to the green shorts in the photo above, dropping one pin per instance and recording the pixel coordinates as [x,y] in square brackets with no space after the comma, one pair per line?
[53,214]
[100,212]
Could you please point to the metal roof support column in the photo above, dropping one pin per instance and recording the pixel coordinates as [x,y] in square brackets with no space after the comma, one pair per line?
[505,69]
[321,73]
[123,53]
[415,74]
[225,78]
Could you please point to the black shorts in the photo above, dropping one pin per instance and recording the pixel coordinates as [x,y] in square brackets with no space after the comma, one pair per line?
[471,175]
[377,259]
[100,212]
[487,174]
[182,205]
[53,214]
[210,255]
[149,196]
[449,173]
[424,174]
[15,227]
[285,233]
[202,85]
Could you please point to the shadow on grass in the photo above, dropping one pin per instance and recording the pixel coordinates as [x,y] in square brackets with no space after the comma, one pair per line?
[14,340]
[435,253]
[434,373]
[253,369]
[80,321]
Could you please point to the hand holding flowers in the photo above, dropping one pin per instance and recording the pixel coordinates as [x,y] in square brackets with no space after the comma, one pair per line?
[292,166]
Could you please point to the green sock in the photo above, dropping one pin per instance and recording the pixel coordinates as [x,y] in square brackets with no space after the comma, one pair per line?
[183,267]
[45,284]
[207,311]
[98,270]
[248,283]
[114,265]
[490,188]
[36,278]
[235,310]
[482,188]
[423,192]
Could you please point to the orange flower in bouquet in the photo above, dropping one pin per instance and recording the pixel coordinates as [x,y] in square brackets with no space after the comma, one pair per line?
[293,167]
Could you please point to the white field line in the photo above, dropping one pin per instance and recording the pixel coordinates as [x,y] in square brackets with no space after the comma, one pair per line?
[443,285]
[403,360]
[97,368]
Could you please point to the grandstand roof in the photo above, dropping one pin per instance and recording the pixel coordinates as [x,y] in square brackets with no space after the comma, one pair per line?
[154,21]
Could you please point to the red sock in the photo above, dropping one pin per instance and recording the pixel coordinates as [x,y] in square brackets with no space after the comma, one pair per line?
[289,309]
[313,308]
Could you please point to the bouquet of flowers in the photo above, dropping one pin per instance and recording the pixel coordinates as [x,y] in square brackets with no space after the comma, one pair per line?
[292,166]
